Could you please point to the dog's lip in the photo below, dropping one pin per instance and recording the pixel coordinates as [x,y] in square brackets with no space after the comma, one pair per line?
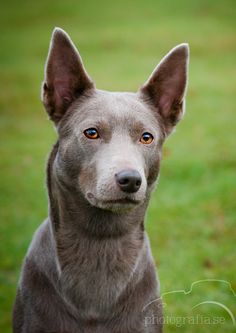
[122,201]
[112,202]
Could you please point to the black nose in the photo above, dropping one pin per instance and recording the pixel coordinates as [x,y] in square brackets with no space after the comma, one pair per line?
[128,180]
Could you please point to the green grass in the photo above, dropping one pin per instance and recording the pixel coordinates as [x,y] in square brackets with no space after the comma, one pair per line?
[191,220]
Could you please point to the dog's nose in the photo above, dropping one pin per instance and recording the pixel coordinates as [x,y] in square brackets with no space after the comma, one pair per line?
[128,180]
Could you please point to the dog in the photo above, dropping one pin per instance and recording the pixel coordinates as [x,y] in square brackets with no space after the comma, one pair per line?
[89,267]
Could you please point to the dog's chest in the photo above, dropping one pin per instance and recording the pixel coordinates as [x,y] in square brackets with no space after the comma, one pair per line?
[95,274]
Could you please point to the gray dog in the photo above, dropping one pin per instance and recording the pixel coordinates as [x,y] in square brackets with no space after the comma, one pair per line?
[89,267]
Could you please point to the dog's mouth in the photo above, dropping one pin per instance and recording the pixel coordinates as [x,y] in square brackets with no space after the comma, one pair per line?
[125,203]
[122,201]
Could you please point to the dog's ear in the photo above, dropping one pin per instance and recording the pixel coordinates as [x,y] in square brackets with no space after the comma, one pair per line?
[65,76]
[165,88]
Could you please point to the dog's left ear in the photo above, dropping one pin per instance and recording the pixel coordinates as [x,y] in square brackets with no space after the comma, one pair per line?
[65,76]
[165,89]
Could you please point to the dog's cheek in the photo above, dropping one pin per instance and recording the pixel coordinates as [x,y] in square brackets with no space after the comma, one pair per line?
[88,179]
[152,161]
[153,171]
[67,167]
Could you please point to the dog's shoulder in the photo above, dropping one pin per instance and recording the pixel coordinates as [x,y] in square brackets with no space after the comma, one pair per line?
[40,258]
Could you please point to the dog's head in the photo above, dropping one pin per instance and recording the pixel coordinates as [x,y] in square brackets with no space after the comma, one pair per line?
[110,143]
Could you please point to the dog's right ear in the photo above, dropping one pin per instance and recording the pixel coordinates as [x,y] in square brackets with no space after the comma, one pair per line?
[65,76]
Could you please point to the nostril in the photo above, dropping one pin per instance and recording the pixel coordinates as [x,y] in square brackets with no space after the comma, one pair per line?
[138,182]
[123,181]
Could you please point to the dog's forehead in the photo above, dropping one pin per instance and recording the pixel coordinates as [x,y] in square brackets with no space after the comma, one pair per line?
[115,108]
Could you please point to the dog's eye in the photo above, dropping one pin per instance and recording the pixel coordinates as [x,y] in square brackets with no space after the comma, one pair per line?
[146,138]
[91,133]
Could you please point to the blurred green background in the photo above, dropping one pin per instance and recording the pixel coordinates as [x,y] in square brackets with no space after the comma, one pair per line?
[191,219]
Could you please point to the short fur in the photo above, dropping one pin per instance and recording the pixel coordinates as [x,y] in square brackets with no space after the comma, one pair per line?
[89,267]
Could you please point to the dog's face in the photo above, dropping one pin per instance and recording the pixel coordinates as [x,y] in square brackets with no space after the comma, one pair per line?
[110,143]
[110,147]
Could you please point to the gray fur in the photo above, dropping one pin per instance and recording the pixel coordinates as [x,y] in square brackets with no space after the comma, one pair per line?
[89,267]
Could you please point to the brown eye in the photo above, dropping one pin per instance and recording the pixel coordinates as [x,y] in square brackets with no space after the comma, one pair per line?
[146,138]
[91,133]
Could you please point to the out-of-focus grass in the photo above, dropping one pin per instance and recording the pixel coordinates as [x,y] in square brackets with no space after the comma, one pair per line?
[191,220]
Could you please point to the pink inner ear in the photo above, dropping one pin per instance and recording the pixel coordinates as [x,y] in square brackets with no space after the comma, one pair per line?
[62,93]
[171,91]
[62,85]
[165,104]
